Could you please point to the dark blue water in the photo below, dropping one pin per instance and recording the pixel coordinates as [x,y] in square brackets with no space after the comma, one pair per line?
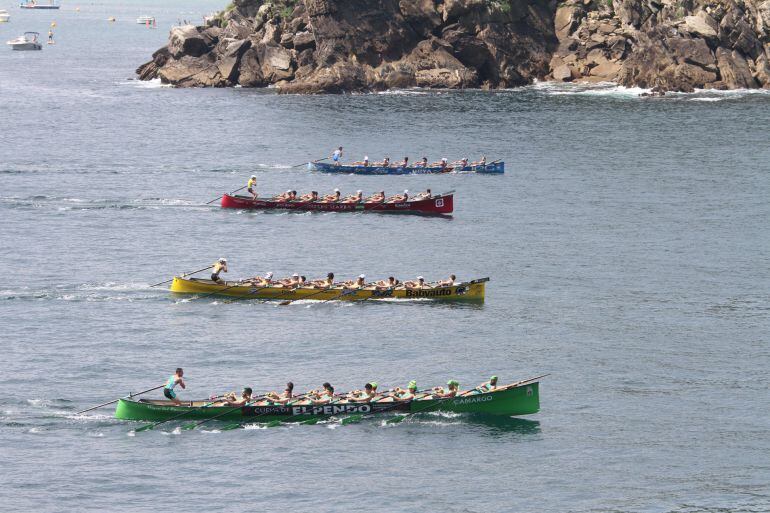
[627,246]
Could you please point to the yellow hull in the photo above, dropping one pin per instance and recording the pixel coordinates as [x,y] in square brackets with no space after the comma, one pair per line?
[470,291]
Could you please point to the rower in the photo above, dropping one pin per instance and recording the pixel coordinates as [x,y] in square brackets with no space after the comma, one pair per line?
[245,398]
[386,285]
[408,394]
[252,186]
[488,386]
[324,396]
[447,283]
[452,386]
[325,283]
[355,198]
[174,380]
[220,266]
[443,163]
[482,161]
[364,163]
[260,281]
[337,155]
[284,397]
[286,196]
[365,396]
[419,284]
[292,196]
[464,162]
[423,162]
[398,198]
[306,197]
[423,195]
[377,197]
[358,284]
[405,162]
[332,198]
[385,162]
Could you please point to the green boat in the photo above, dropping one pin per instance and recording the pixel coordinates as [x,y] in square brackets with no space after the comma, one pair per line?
[517,399]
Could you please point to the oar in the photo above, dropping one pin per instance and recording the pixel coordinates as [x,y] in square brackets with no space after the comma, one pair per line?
[116,400]
[290,301]
[314,161]
[196,424]
[183,275]
[151,426]
[236,425]
[346,292]
[357,417]
[236,190]
[396,420]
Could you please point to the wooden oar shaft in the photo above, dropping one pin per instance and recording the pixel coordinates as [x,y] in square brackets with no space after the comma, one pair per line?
[233,192]
[183,274]
[116,400]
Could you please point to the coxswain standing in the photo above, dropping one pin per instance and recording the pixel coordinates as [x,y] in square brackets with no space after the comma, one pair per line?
[252,186]
[337,156]
[219,267]
[174,380]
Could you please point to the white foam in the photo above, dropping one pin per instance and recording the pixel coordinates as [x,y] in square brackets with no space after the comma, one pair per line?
[155,83]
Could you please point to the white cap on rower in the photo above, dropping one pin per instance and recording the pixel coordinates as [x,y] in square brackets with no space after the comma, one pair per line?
[406,191]
[358,191]
[443,160]
[295,275]
[288,191]
[253,177]
[420,278]
[269,275]
[366,157]
[336,190]
[223,260]
[362,276]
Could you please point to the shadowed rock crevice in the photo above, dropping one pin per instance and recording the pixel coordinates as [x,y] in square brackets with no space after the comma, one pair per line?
[332,46]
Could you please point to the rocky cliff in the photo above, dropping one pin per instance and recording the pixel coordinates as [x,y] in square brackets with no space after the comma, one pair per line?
[328,46]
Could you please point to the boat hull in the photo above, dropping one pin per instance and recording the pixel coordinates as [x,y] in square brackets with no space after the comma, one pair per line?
[21,47]
[495,168]
[437,205]
[470,291]
[520,400]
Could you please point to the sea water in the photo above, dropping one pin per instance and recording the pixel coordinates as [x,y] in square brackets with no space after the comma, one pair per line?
[626,245]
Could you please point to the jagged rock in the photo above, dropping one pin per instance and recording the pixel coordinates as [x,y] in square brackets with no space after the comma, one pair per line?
[187,40]
[702,25]
[275,62]
[250,71]
[734,70]
[317,46]
[303,40]
[566,20]
[762,72]
[421,15]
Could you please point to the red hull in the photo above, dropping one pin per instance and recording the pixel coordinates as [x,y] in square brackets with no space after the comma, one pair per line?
[436,205]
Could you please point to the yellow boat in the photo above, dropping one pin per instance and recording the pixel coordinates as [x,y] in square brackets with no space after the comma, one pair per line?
[467,291]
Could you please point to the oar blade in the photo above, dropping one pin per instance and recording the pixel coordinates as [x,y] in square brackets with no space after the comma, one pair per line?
[144,428]
[273,423]
[310,422]
[230,427]
[351,419]
[396,420]
[187,427]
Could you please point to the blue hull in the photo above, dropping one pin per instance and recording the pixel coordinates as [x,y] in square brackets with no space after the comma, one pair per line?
[496,168]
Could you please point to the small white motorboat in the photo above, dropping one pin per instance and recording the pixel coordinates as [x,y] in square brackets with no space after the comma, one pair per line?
[4,16]
[144,20]
[29,41]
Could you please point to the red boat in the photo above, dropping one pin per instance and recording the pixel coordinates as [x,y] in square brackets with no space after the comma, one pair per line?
[440,204]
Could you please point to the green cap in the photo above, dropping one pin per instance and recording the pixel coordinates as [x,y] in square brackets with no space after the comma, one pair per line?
[453,382]
[493,378]
[412,384]
[374,384]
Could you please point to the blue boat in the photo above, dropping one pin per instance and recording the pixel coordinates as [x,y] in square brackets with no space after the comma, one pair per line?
[491,168]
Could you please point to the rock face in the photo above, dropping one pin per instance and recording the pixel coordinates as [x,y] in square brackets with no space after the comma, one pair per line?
[332,46]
